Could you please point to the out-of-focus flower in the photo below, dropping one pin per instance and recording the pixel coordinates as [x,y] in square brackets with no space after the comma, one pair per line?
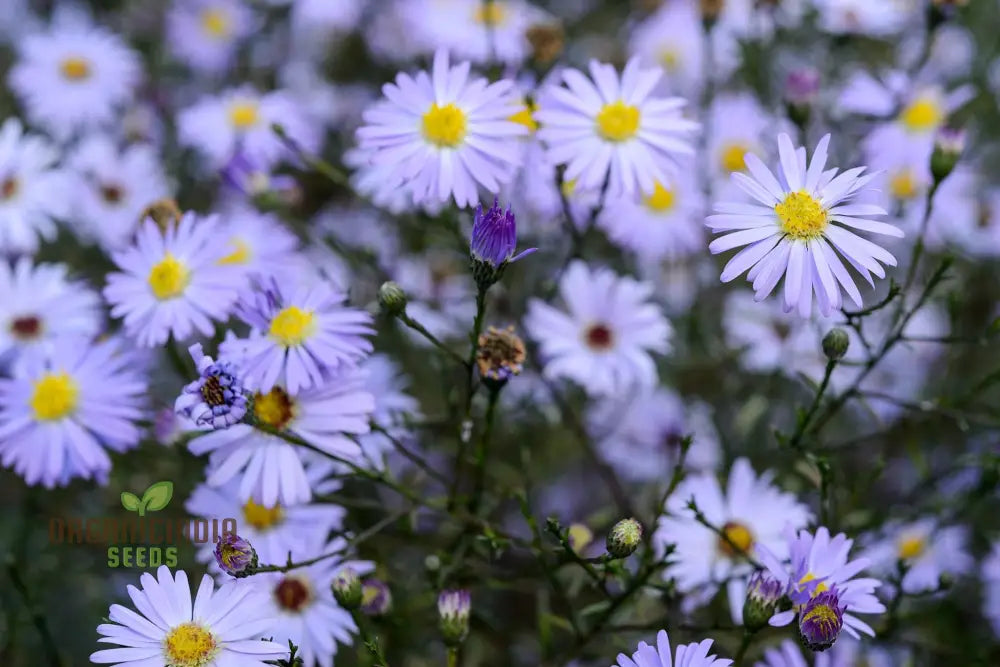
[302,605]
[271,469]
[32,189]
[235,556]
[204,34]
[694,654]
[112,188]
[820,564]
[603,342]
[797,226]
[296,339]
[74,76]
[493,244]
[673,37]
[41,304]
[927,550]
[241,120]
[171,282]
[215,399]
[63,408]
[443,134]
[579,537]
[861,17]
[751,512]
[259,244]
[612,128]
[376,597]
[222,625]
[454,608]
[729,142]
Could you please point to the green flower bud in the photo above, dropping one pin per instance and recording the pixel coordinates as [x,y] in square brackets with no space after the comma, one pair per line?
[835,344]
[392,298]
[454,608]
[624,538]
[346,587]
[763,594]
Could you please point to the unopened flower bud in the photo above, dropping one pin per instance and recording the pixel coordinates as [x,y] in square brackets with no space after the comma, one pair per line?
[453,611]
[235,555]
[763,594]
[821,620]
[346,587]
[948,146]
[835,344]
[624,538]
[376,599]
[579,537]
[391,298]
[801,89]
[494,240]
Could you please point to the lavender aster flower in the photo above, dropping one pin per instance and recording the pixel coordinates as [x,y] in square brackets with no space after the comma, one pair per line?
[454,608]
[494,240]
[376,599]
[821,620]
[216,398]
[235,555]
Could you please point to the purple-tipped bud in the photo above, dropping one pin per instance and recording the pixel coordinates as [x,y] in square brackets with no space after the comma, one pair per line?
[802,86]
[346,587]
[494,241]
[763,594]
[821,620]
[215,399]
[235,555]
[376,599]
[453,609]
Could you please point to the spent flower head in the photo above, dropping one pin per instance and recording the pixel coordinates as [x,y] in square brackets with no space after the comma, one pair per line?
[217,397]
[500,354]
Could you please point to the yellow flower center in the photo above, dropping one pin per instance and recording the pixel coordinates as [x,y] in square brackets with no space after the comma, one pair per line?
[190,645]
[243,115]
[922,115]
[75,69]
[911,547]
[821,614]
[215,22]
[491,13]
[738,536]
[292,326]
[275,408]
[54,396]
[670,59]
[444,126]
[525,117]
[802,216]
[168,278]
[261,517]
[568,188]
[732,157]
[239,256]
[662,199]
[903,184]
[820,587]
[618,121]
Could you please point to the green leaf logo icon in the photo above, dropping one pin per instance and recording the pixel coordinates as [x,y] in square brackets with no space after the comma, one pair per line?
[154,499]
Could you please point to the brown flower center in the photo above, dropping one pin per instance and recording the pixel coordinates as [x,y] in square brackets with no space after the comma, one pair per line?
[213,392]
[292,594]
[599,337]
[26,328]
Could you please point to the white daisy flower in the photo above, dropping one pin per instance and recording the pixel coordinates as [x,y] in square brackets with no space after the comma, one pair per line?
[270,529]
[798,228]
[32,189]
[641,435]
[444,134]
[315,22]
[75,76]
[171,282]
[271,470]
[861,17]
[204,34]
[613,129]
[222,627]
[41,304]
[113,188]
[63,408]
[767,337]
[603,342]
[259,244]
[927,549]
[729,142]
[694,654]
[667,224]
[751,511]
[302,604]
[241,119]
[674,37]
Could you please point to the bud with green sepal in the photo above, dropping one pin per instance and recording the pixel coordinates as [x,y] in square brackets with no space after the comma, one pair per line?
[235,555]
[624,538]
[454,608]
[346,587]
[764,592]
[392,298]
[948,146]
[835,344]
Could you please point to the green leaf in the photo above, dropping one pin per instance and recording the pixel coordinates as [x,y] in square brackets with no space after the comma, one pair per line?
[156,497]
[130,501]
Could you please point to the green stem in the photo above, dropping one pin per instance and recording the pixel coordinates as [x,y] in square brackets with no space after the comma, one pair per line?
[464,427]
[453,657]
[482,450]
[37,617]
[744,646]
[177,360]
[422,330]
[803,425]
[314,162]
[370,643]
